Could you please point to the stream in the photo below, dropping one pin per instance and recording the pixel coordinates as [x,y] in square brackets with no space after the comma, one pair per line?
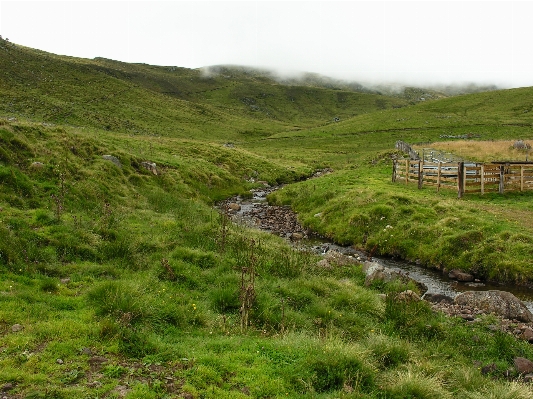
[280,220]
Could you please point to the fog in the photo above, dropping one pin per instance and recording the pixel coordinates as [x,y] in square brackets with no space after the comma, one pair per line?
[378,43]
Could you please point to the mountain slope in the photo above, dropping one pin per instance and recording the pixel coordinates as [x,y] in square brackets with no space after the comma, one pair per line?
[142,99]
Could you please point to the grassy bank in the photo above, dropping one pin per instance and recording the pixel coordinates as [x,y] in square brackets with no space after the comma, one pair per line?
[489,236]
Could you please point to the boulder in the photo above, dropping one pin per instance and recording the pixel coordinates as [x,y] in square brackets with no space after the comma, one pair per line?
[438,298]
[376,272]
[150,166]
[408,296]
[523,365]
[113,159]
[459,275]
[334,258]
[527,335]
[500,303]
[464,277]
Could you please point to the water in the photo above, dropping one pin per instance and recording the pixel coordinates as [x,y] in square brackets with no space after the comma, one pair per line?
[436,281]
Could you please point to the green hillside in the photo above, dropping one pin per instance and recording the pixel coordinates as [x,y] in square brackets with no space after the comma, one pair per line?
[119,279]
[176,102]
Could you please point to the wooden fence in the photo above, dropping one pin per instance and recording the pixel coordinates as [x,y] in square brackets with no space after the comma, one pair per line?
[466,177]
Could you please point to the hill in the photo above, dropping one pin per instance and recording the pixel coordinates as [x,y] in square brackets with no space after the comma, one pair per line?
[172,101]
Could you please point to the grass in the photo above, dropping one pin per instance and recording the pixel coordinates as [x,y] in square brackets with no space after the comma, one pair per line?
[129,284]
[485,151]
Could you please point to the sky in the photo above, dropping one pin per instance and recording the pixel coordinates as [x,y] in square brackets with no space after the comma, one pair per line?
[416,42]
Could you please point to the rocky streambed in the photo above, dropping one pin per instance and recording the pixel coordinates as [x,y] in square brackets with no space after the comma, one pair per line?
[449,293]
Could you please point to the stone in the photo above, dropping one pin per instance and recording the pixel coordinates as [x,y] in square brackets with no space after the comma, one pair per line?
[334,258]
[113,159]
[297,236]
[523,365]
[234,207]
[407,296]
[324,263]
[376,272]
[17,327]
[37,165]
[60,361]
[370,267]
[150,166]
[86,351]
[65,280]
[501,303]
[489,368]
[7,387]
[459,275]
[464,277]
[97,360]
[527,335]
[438,298]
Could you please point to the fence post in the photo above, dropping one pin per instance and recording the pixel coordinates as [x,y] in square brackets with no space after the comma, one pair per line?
[482,173]
[394,163]
[460,179]
[407,165]
[521,177]
[420,174]
[502,179]
[439,171]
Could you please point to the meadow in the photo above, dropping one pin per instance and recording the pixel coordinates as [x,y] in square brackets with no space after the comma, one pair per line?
[120,283]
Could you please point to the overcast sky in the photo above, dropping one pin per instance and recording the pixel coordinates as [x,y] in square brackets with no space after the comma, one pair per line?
[378,41]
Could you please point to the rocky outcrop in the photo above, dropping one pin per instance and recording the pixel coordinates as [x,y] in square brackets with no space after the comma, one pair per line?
[113,159]
[501,303]
[376,272]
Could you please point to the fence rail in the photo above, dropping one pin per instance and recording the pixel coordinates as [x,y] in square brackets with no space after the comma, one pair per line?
[466,178]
